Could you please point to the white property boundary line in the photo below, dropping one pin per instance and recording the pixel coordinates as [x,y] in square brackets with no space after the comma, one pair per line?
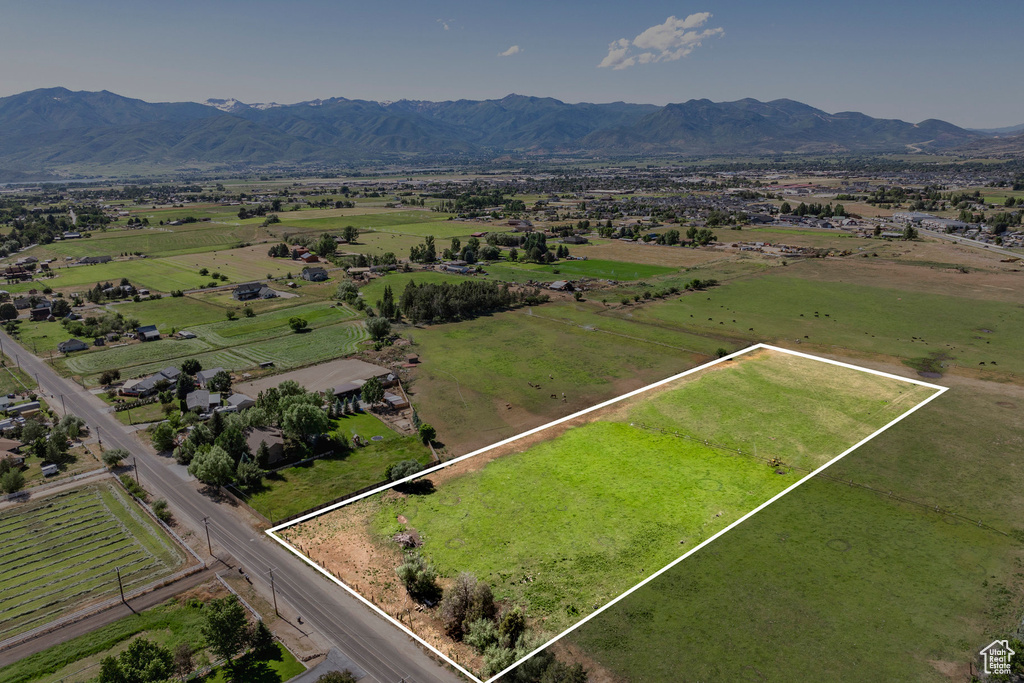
[273,531]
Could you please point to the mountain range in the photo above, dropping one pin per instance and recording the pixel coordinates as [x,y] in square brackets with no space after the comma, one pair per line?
[56,129]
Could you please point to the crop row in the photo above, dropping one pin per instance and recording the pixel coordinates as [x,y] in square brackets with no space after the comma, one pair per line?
[56,560]
[37,535]
[76,542]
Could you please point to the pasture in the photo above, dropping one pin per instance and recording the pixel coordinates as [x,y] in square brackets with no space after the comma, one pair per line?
[473,381]
[907,324]
[59,552]
[156,241]
[807,590]
[589,529]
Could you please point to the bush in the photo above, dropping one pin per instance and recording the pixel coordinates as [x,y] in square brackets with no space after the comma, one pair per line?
[345,676]
[161,510]
[133,487]
[402,469]
[109,377]
[481,634]
[456,603]
[418,577]
[11,481]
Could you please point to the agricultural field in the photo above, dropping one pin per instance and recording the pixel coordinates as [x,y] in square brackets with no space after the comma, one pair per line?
[331,334]
[156,241]
[59,554]
[588,530]
[297,489]
[240,265]
[13,380]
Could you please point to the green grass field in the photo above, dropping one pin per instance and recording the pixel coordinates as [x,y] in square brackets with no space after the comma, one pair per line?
[58,554]
[473,379]
[828,583]
[297,489]
[895,322]
[157,241]
[590,528]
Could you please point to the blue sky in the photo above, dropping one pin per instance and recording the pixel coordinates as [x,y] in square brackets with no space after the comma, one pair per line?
[947,59]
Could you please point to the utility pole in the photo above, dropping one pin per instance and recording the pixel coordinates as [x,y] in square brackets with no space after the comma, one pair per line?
[209,546]
[119,586]
[135,465]
[273,592]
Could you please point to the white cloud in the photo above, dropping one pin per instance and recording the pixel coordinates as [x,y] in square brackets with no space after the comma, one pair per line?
[672,40]
[514,50]
[444,23]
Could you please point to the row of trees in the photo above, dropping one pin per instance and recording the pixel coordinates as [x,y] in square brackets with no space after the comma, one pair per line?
[445,302]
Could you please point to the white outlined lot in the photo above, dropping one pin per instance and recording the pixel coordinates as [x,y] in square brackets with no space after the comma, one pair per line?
[939,390]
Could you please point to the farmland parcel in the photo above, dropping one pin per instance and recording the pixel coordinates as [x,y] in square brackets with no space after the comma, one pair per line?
[59,554]
[605,499]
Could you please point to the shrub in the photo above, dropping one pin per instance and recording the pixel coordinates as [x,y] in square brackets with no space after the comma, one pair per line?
[402,469]
[161,510]
[456,603]
[418,577]
[481,634]
[345,676]
[113,457]
[408,539]
[133,487]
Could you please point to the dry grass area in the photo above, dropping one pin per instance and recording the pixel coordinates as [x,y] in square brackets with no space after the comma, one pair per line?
[653,254]
[992,285]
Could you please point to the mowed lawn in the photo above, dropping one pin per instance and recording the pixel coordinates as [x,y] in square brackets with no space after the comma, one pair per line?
[297,489]
[604,505]
[57,553]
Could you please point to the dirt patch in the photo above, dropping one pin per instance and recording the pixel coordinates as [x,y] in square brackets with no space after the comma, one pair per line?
[1006,404]
[569,653]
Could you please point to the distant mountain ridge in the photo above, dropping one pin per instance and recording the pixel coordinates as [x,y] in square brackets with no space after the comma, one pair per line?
[56,128]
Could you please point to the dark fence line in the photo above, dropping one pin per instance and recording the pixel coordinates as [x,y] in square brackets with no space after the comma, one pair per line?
[828,477]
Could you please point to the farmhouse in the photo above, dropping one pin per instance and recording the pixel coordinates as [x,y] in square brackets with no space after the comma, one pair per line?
[72,345]
[247,291]
[574,239]
[561,286]
[92,260]
[315,274]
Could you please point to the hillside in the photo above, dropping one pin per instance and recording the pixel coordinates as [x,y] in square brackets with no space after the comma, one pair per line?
[56,129]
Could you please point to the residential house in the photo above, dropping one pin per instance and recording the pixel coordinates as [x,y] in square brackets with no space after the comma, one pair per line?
[274,439]
[145,386]
[72,345]
[315,274]
[204,376]
[247,291]
[309,257]
[574,239]
[22,302]
[92,260]
[240,401]
[202,401]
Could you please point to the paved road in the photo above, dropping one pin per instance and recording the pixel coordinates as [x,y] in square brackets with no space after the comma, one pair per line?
[382,650]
